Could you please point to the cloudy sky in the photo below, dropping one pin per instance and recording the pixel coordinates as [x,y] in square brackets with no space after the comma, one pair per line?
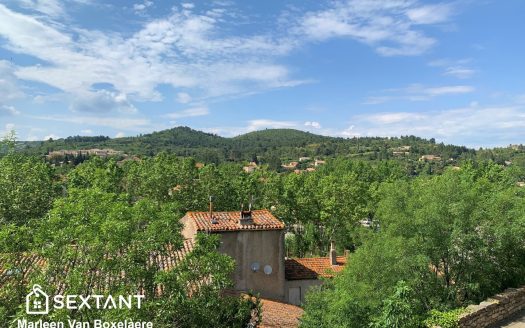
[452,70]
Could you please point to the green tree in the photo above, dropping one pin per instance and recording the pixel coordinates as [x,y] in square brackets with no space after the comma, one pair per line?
[26,188]
[107,246]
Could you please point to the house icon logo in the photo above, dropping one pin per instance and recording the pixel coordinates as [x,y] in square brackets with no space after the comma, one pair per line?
[37,302]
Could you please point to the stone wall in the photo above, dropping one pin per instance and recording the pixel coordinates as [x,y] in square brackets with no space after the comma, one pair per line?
[494,309]
[265,247]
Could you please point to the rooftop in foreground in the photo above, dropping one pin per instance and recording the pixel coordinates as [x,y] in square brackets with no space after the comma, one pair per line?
[229,221]
[278,314]
[14,266]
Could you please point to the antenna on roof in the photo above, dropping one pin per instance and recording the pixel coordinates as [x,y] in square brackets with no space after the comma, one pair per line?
[252,200]
[246,216]
[213,220]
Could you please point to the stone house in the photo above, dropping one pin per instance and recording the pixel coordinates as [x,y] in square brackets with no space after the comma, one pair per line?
[255,240]
[426,158]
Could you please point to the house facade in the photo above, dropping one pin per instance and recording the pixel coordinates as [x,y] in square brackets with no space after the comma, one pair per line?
[255,240]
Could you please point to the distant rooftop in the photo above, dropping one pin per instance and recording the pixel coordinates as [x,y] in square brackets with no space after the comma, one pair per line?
[229,221]
[312,267]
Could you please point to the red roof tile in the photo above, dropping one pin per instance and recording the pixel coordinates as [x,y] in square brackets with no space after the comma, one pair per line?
[12,265]
[277,314]
[312,267]
[273,313]
[229,221]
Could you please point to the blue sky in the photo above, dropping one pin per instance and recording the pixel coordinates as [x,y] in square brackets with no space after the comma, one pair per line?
[450,70]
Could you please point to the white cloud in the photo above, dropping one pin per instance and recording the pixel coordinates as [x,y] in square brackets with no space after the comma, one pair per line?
[447,90]
[120,135]
[52,8]
[6,110]
[473,126]
[51,136]
[184,50]
[388,26]
[9,89]
[460,72]
[102,101]
[389,118]
[31,137]
[87,131]
[253,125]
[189,49]
[417,92]
[260,124]
[190,112]
[117,122]
[455,68]
[312,124]
[139,7]
[8,127]
[183,97]
[430,14]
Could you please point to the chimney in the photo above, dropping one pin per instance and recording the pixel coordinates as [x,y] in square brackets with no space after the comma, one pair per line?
[212,219]
[333,254]
[246,216]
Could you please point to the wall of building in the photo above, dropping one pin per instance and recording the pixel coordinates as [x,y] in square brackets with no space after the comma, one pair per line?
[264,247]
[303,287]
[495,309]
[188,228]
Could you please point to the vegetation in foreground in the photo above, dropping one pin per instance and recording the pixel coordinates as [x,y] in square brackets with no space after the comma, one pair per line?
[437,242]
[88,232]
[443,242]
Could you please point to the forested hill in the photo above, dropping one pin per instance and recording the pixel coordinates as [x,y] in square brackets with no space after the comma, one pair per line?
[281,138]
[271,145]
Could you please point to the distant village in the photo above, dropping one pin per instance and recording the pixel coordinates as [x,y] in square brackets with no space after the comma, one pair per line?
[75,157]
[301,165]
[306,162]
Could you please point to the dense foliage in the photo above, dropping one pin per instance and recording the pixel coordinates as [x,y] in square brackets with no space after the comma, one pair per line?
[263,146]
[97,239]
[425,237]
[451,240]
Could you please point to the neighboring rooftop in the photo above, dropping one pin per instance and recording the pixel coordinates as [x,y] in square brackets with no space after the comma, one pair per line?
[277,314]
[29,261]
[312,267]
[229,221]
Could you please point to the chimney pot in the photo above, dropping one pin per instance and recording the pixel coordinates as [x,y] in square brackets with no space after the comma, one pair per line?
[246,218]
[333,254]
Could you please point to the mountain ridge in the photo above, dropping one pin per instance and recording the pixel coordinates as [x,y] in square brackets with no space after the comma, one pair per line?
[269,145]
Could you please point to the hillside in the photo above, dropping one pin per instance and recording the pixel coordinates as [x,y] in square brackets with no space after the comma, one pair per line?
[274,145]
[281,138]
[185,141]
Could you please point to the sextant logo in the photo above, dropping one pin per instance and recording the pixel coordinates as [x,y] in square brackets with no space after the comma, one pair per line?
[37,301]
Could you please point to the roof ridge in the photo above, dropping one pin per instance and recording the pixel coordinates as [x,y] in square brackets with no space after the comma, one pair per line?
[263,219]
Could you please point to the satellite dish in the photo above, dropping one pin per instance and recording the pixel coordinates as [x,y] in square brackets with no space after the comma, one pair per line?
[268,269]
[255,266]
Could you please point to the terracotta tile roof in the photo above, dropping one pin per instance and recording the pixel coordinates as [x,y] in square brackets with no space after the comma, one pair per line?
[312,267]
[229,221]
[277,314]
[274,313]
[24,263]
